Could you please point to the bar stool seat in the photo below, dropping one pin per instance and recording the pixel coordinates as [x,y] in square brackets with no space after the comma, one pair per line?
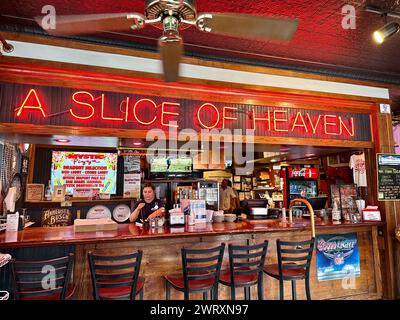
[200,273]
[27,278]
[177,282]
[294,260]
[116,276]
[273,271]
[245,269]
[240,279]
[57,296]
[119,292]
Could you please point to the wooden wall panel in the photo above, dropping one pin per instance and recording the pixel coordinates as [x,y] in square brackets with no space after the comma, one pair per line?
[162,258]
[391,210]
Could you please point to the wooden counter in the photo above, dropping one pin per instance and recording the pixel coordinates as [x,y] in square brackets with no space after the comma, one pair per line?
[161,252]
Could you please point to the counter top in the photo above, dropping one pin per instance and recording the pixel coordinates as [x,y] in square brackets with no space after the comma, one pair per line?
[41,236]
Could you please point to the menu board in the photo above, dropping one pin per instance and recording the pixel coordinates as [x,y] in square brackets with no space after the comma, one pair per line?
[56,217]
[388,172]
[95,170]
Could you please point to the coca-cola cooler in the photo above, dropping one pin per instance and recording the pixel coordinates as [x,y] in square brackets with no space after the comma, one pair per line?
[302,182]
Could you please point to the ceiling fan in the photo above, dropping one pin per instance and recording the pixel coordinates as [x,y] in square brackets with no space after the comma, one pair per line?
[170,16]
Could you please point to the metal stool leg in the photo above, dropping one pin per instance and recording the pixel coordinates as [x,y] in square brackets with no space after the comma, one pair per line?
[233,295]
[215,293]
[186,295]
[205,295]
[294,289]
[167,290]
[260,288]
[281,290]
[308,293]
[247,293]
[141,293]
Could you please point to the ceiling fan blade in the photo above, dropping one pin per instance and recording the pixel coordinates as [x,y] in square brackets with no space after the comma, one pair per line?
[247,26]
[92,23]
[171,50]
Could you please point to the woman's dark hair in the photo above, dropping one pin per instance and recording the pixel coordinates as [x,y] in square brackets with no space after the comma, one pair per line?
[149,185]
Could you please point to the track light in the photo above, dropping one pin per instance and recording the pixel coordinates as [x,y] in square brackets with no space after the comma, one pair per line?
[385,32]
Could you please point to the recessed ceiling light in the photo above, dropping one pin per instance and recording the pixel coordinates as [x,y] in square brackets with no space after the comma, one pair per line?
[62,140]
[310,154]
[274,160]
[137,143]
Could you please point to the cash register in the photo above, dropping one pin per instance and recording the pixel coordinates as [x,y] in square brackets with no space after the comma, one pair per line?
[256,209]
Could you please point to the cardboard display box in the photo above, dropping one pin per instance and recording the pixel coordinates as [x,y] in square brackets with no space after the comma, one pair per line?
[93,225]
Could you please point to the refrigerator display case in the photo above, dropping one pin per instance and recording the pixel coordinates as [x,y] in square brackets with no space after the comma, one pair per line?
[302,183]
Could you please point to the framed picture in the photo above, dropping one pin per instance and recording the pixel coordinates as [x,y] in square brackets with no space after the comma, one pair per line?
[34,192]
[236,178]
[59,193]
[344,196]
[237,186]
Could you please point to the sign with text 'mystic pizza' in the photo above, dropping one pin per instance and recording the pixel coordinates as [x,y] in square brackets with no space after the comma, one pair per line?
[44,105]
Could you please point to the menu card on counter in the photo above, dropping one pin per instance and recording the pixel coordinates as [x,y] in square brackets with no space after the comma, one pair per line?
[388,170]
[12,221]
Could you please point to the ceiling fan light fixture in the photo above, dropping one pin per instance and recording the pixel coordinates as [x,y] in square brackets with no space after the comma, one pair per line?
[385,32]
[170,23]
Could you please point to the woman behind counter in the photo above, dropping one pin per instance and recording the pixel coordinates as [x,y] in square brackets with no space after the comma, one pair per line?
[149,207]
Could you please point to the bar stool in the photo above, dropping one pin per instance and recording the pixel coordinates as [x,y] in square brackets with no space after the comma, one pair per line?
[201,269]
[116,276]
[246,265]
[43,279]
[298,256]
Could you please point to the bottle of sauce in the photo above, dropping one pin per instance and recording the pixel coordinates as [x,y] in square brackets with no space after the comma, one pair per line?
[47,192]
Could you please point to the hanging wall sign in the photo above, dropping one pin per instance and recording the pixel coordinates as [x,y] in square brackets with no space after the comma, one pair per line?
[337,256]
[56,217]
[388,171]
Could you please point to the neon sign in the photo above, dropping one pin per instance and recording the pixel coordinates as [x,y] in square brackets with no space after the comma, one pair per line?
[145,113]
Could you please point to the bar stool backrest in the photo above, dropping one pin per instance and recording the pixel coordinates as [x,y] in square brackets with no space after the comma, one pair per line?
[247,260]
[295,255]
[115,271]
[40,279]
[201,264]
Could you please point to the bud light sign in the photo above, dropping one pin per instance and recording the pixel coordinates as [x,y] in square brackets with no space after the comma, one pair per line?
[337,256]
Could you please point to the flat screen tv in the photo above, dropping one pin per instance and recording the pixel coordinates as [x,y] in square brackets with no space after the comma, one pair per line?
[87,170]
[171,166]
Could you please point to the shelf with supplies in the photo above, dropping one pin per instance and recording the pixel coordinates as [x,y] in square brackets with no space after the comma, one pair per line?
[80,201]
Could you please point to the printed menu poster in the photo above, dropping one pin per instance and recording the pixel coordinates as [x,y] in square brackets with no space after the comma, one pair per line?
[337,256]
[94,170]
[132,185]
[131,164]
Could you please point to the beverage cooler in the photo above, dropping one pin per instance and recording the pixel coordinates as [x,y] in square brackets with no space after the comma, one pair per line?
[209,190]
[302,182]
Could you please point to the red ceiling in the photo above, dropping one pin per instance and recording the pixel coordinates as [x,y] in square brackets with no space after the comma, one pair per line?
[320,42]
